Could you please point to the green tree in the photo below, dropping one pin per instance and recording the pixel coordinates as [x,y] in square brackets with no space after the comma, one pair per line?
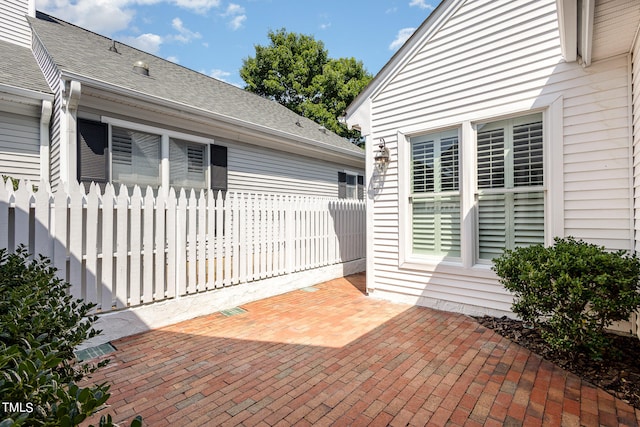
[296,71]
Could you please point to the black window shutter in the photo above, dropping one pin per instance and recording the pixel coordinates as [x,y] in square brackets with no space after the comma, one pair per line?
[92,149]
[342,185]
[360,187]
[218,167]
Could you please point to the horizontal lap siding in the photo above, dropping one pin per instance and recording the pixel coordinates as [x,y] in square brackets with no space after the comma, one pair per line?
[491,58]
[13,26]
[254,169]
[636,137]
[20,146]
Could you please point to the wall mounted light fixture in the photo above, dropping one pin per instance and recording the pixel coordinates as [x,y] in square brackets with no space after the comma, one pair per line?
[381,156]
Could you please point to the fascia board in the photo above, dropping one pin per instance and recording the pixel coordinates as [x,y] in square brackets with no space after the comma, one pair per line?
[282,136]
[27,96]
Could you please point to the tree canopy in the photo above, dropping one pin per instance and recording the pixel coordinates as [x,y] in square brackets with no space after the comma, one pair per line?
[296,71]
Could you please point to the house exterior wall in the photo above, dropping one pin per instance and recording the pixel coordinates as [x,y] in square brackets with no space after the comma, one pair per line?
[256,169]
[635,75]
[13,25]
[489,61]
[20,145]
[251,167]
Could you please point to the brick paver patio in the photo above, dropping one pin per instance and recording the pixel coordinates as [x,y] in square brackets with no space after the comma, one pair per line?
[328,355]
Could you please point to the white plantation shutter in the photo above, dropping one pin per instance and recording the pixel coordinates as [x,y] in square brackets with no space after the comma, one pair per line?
[135,157]
[187,164]
[435,194]
[510,195]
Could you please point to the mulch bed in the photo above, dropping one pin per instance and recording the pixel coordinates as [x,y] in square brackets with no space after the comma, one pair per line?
[618,372]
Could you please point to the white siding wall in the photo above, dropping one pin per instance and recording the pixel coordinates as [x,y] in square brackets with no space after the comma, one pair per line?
[636,137]
[13,25]
[491,59]
[254,169]
[20,146]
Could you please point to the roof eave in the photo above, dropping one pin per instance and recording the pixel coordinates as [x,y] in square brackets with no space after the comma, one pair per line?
[283,136]
[24,95]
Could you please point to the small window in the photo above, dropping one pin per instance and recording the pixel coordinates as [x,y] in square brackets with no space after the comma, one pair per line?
[135,157]
[187,164]
[350,186]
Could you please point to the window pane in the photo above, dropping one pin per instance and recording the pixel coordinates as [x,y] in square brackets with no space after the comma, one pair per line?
[187,165]
[491,159]
[510,157]
[436,226]
[527,154]
[436,217]
[135,157]
[422,164]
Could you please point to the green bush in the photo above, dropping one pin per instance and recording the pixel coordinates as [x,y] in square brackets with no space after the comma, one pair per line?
[40,325]
[571,291]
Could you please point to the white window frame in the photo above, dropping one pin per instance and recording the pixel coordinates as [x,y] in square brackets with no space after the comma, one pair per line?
[165,136]
[552,108]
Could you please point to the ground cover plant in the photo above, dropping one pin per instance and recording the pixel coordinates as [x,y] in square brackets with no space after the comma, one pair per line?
[566,296]
[40,326]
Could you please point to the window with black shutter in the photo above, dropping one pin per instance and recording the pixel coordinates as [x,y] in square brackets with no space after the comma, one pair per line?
[219,167]
[93,162]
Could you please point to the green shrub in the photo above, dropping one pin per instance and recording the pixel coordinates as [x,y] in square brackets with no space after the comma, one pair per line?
[40,325]
[571,291]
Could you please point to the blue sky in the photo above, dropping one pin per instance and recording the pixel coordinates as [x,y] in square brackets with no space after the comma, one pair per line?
[214,36]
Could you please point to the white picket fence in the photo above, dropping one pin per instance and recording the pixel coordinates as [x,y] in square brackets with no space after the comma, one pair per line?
[127,248]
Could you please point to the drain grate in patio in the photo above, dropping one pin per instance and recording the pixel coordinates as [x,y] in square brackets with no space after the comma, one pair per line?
[93,352]
[310,289]
[233,311]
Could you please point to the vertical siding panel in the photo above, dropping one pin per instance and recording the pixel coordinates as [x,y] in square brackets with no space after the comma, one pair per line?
[135,238]
[22,199]
[171,228]
[107,283]
[78,226]
[91,267]
[149,232]
[161,239]
[122,248]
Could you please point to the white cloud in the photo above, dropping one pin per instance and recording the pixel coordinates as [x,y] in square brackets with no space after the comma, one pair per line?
[402,36]
[109,16]
[185,35]
[236,12]
[233,9]
[102,16]
[199,6]
[325,26]
[421,4]
[147,42]
[219,74]
[173,59]
[236,22]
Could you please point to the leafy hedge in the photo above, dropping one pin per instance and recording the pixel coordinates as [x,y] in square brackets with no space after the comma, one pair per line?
[572,291]
[40,326]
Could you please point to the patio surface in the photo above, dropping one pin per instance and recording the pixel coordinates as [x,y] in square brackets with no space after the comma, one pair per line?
[328,355]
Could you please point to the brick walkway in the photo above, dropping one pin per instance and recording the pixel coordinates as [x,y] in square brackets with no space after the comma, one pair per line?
[328,355]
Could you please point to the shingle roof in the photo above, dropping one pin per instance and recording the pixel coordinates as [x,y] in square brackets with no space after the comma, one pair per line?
[82,52]
[18,68]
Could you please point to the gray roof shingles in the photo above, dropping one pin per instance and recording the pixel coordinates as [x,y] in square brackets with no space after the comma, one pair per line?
[18,68]
[82,52]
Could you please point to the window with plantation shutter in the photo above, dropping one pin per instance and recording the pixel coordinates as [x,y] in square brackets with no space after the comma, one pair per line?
[187,164]
[510,193]
[435,196]
[135,157]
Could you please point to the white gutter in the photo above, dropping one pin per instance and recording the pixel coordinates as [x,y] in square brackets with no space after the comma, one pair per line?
[120,90]
[586,34]
[568,27]
[18,93]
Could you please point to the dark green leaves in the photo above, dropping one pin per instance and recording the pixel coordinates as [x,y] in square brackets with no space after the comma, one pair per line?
[572,290]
